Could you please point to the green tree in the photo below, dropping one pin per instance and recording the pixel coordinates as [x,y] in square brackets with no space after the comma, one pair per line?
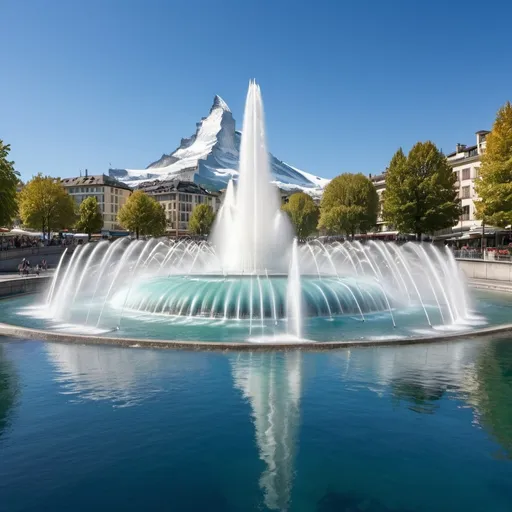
[350,204]
[495,184]
[8,182]
[303,214]
[44,204]
[142,215]
[90,216]
[420,196]
[201,220]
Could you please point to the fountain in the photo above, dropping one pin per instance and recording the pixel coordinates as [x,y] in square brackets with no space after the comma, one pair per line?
[253,281]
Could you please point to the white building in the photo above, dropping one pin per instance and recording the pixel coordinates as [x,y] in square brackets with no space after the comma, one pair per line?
[465,162]
[379,181]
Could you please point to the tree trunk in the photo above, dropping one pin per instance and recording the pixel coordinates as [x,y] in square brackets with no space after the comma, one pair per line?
[418,236]
[137,233]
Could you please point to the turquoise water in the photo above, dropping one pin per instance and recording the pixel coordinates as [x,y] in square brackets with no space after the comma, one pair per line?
[413,428]
[487,309]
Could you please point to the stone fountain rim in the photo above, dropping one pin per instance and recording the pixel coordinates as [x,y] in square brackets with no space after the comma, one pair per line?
[83,339]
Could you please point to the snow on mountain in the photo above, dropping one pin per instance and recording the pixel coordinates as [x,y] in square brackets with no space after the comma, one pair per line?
[210,158]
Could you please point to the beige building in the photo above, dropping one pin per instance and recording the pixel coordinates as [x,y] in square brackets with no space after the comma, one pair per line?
[110,194]
[179,198]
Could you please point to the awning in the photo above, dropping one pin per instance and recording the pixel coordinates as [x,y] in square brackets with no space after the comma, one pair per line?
[23,232]
[450,236]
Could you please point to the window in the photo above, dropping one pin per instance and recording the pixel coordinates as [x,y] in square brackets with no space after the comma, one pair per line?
[457,177]
[465,192]
[466,173]
[465,212]
[111,208]
[477,172]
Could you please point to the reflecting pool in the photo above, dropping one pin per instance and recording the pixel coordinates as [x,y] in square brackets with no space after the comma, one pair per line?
[413,428]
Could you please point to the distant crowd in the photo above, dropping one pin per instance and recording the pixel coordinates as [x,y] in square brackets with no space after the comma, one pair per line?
[24,242]
[19,242]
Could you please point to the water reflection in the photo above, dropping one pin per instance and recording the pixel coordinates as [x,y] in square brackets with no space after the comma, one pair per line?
[8,390]
[419,375]
[405,380]
[272,384]
[105,373]
[491,391]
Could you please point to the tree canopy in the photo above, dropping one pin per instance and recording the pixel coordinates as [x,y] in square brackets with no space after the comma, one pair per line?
[45,205]
[420,196]
[495,184]
[8,182]
[142,215]
[349,205]
[90,217]
[201,220]
[303,214]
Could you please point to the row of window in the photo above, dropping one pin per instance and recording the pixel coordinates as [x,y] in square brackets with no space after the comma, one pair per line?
[84,190]
[99,197]
[92,190]
[184,198]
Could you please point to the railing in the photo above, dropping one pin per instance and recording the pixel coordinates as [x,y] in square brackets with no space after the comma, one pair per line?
[464,254]
[27,252]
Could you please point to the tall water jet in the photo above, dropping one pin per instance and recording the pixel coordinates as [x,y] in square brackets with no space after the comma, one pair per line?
[294,295]
[252,278]
[249,235]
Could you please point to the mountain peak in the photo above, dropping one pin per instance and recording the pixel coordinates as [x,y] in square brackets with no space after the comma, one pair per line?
[210,158]
[218,102]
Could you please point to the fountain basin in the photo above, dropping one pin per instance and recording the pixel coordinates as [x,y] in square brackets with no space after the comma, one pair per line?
[253,297]
[29,316]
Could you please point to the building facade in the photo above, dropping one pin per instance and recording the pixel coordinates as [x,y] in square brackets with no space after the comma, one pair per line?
[110,194]
[465,162]
[179,198]
[379,181]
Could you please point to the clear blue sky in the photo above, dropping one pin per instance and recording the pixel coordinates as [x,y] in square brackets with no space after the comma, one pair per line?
[88,83]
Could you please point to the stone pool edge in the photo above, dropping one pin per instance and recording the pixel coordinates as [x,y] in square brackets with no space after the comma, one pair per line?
[81,339]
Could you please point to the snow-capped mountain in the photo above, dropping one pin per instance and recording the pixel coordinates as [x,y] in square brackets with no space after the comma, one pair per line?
[210,158]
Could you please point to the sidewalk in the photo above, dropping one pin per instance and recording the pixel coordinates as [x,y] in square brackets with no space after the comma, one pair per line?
[11,276]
